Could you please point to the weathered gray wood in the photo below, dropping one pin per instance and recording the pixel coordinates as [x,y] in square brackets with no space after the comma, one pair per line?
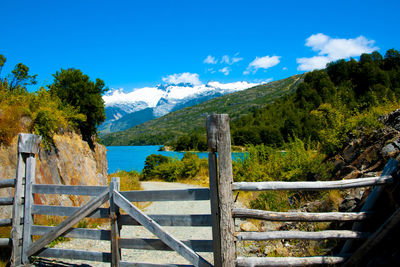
[273,235]
[300,216]
[7,183]
[312,186]
[389,168]
[172,220]
[29,143]
[289,261]
[167,195]
[375,239]
[144,264]
[28,217]
[5,201]
[5,222]
[162,219]
[213,179]
[75,254]
[157,244]
[67,211]
[5,242]
[114,215]
[219,140]
[156,229]
[83,190]
[68,223]
[94,234]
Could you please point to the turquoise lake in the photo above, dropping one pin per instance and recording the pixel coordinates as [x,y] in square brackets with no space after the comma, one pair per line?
[128,158]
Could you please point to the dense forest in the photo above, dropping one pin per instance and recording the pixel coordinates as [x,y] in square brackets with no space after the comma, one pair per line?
[324,106]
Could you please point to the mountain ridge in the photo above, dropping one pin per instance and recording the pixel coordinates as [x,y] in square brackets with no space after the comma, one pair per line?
[189,119]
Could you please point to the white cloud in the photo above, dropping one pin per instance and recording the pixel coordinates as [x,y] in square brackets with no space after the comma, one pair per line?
[284,68]
[230,61]
[186,77]
[211,70]
[331,49]
[312,63]
[210,60]
[225,70]
[262,63]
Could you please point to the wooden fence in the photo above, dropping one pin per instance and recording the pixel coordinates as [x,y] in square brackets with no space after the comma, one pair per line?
[221,219]
[224,213]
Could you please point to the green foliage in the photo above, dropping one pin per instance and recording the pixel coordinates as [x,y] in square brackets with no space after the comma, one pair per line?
[172,169]
[327,105]
[192,142]
[297,162]
[272,201]
[129,180]
[76,89]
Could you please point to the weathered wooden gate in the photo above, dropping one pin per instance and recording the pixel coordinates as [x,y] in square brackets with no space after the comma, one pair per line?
[25,209]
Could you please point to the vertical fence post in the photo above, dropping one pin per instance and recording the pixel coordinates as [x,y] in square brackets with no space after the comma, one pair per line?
[221,179]
[115,230]
[28,146]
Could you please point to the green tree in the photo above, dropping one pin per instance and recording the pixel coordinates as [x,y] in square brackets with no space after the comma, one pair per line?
[21,78]
[76,89]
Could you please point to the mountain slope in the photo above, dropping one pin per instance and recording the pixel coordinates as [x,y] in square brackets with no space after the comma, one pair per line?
[125,110]
[184,121]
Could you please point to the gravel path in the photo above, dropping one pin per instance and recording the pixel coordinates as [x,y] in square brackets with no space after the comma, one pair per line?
[152,256]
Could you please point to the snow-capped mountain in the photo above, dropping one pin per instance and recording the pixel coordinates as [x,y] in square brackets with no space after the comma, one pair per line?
[125,110]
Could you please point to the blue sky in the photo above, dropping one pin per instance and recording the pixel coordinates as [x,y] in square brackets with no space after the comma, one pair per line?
[132,44]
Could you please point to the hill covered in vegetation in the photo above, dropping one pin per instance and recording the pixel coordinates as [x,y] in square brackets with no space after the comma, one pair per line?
[192,119]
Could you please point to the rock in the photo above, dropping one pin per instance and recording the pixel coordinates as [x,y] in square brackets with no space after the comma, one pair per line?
[392,120]
[248,227]
[350,152]
[346,171]
[352,175]
[70,161]
[390,150]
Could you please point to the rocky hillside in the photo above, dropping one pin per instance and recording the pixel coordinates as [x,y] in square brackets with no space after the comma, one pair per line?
[70,161]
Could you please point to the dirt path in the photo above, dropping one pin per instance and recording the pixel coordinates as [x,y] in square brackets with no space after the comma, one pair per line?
[152,256]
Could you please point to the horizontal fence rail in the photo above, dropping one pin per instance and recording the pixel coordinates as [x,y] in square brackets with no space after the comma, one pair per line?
[5,222]
[328,234]
[313,186]
[289,261]
[300,216]
[5,242]
[157,244]
[5,201]
[134,196]
[7,183]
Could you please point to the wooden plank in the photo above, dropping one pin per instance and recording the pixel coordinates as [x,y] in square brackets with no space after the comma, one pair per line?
[82,190]
[300,216]
[94,234]
[68,223]
[144,264]
[5,222]
[156,229]
[202,220]
[167,195]
[4,201]
[28,217]
[374,240]
[274,235]
[289,261]
[75,254]
[213,179]
[7,183]
[389,168]
[5,242]
[67,211]
[219,140]
[115,231]
[27,144]
[157,244]
[312,186]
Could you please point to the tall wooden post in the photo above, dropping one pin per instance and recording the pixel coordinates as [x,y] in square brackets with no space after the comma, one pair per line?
[115,230]
[28,146]
[221,179]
